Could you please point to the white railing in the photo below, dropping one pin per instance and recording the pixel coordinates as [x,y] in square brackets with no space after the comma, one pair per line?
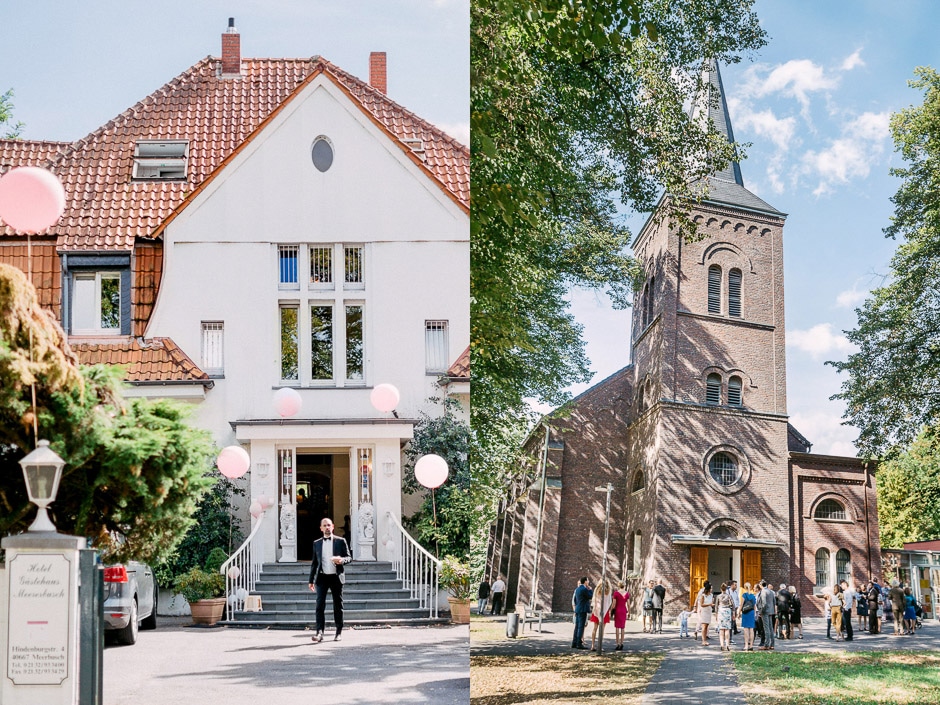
[417,569]
[242,570]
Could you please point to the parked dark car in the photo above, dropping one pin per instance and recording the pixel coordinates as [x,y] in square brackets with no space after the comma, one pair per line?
[130,600]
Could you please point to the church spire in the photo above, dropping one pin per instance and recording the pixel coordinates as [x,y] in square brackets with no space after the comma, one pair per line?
[718,114]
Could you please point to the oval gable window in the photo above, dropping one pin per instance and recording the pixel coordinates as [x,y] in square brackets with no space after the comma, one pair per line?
[322,153]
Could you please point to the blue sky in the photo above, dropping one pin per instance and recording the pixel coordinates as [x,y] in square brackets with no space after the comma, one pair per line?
[814,104]
[75,65]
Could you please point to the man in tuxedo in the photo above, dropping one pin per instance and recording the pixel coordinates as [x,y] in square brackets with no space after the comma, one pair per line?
[330,554]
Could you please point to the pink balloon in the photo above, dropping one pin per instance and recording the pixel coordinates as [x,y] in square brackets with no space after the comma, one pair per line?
[31,199]
[233,462]
[385,397]
[287,402]
[255,509]
[431,471]
[266,502]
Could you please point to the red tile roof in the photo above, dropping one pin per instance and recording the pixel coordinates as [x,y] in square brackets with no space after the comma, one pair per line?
[106,210]
[461,367]
[146,360]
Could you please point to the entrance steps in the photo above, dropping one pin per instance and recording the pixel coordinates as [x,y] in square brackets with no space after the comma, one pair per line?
[372,596]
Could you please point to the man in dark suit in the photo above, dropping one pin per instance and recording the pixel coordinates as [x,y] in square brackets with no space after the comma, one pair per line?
[330,554]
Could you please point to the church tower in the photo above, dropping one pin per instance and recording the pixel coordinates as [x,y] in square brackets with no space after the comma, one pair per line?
[708,441]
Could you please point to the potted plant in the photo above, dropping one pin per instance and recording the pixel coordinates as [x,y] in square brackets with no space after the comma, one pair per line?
[455,578]
[204,590]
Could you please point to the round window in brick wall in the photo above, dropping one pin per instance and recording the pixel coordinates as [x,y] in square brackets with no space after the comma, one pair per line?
[726,469]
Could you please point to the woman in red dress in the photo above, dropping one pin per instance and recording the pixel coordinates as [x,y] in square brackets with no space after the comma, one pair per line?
[621,610]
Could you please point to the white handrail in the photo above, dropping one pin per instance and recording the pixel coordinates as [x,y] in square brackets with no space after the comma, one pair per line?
[417,569]
[247,564]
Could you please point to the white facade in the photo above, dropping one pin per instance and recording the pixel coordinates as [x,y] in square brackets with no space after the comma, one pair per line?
[222,266]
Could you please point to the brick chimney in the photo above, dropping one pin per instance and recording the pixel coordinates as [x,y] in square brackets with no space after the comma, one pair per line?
[377,68]
[231,50]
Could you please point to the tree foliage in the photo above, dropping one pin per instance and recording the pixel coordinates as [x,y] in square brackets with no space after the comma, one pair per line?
[574,102]
[9,130]
[909,493]
[447,436]
[893,385]
[134,468]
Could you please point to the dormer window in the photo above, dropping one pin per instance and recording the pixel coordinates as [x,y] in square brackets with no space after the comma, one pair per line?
[160,160]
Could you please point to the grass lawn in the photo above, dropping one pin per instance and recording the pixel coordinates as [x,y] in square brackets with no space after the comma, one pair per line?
[573,679]
[856,678]
[482,629]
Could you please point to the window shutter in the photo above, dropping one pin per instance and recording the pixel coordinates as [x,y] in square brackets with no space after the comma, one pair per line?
[734,391]
[734,293]
[714,289]
[713,390]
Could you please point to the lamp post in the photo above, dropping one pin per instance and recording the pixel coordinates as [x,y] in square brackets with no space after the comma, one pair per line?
[608,488]
[42,469]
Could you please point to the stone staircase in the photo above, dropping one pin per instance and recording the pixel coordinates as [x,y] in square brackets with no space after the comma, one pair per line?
[372,596]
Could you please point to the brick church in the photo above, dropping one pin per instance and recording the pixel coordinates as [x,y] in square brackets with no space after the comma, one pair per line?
[709,479]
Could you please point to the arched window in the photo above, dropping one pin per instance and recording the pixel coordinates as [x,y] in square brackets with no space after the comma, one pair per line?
[713,389]
[734,391]
[822,568]
[843,565]
[640,399]
[639,481]
[649,300]
[723,531]
[714,289]
[644,308]
[734,293]
[637,552]
[830,509]
[723,468]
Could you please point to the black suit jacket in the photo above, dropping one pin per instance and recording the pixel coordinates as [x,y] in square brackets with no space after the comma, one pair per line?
[340,548]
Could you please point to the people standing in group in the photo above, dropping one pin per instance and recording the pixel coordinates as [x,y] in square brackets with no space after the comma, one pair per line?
[330,555]
[704,604]
[848,604]
[600,608]
[783,612]
[648,607]
[582,608]
[736,600]
[483,596]
[874,602]
[659,601]
[725,616]
[896,597]
[910,611]
[835,609]
[796,613]
[621,610]
[767,606]
[861,607]
[497,591]
[747,613]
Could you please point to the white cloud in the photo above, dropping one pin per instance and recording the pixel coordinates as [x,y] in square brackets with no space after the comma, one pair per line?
[819,341]
[851,155]
[850,298]
[459,131]
[822,426]
[779,130]
[853,60]
[796,79]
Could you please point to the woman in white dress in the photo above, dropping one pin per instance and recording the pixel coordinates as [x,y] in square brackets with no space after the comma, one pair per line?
[704,604]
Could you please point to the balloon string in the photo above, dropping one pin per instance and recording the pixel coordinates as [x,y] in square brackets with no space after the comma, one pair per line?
[32,384]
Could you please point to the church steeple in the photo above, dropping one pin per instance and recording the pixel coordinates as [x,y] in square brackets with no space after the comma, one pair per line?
[727,185]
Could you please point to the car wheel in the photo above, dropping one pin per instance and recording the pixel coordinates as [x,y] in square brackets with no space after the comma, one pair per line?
[150,621]
[128,635]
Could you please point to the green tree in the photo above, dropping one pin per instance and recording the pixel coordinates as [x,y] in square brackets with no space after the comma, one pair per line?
[893,385]
[448,436]
[573,103]
[909,493]
[134,468]
[8,130]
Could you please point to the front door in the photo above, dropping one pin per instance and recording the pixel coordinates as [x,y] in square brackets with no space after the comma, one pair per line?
[721,563]
[698,572]
[314,500]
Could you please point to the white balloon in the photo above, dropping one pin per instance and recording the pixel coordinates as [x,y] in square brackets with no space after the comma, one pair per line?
[233,461]
[241,594]
[385,397]
[287,402]
[234,572]
[255,509]
[431,471]
[232,600]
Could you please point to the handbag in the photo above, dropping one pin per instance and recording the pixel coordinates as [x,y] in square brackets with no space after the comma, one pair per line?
[747,607]
[647,604]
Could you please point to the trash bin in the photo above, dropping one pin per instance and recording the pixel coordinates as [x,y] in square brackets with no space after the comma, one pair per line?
[512,625]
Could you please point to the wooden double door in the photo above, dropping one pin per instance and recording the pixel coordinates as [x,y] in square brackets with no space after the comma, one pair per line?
[748,568]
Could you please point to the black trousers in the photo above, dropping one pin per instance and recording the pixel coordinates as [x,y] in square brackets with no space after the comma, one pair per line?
[874,624]
[847,624]
[497,603]
[332,584]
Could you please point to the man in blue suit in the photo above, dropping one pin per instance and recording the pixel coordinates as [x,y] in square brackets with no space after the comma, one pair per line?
[330,554]
[582,608]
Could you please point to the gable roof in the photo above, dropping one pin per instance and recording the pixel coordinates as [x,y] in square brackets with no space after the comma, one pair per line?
[150,360]
[460,370]
[107,210]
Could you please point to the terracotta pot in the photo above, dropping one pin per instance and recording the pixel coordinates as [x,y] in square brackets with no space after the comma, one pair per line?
[207,611]
[459,610]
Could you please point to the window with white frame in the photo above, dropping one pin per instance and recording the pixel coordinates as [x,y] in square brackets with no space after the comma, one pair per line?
[822,568]
[354,262]
[96,303]
[160,160]
[290,343]
[436,347]
[355,341]
[321,341]
[213,357]
[321,267]
[288,257]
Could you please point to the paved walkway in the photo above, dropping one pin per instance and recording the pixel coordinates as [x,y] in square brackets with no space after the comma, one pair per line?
[691,673]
